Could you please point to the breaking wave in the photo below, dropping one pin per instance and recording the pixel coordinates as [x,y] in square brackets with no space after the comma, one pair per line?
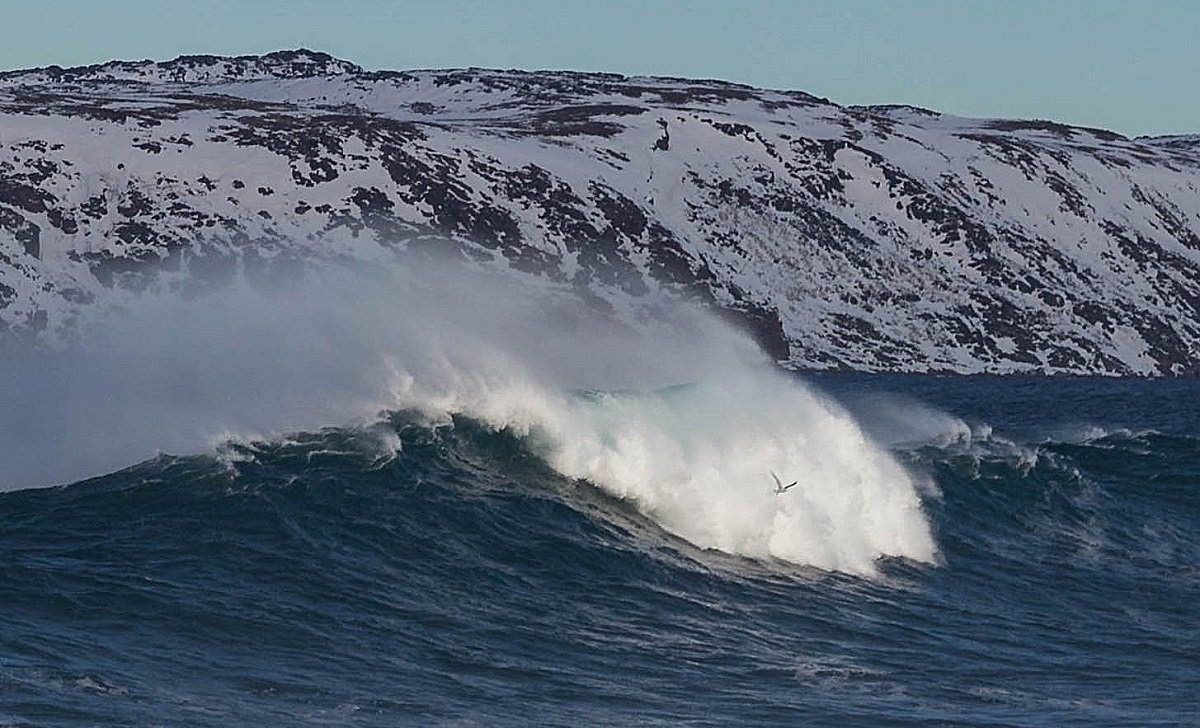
[683,417]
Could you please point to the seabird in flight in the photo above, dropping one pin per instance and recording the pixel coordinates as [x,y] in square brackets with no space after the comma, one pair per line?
[779,486]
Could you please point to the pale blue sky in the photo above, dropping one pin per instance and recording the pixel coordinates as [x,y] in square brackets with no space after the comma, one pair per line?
[1128,66]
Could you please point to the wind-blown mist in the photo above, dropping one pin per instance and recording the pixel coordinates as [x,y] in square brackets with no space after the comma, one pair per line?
[596,399]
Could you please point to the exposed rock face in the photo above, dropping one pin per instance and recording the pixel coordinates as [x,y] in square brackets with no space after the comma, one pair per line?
[876,238]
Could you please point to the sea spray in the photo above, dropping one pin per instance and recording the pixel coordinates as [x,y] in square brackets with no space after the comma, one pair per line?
[343,346]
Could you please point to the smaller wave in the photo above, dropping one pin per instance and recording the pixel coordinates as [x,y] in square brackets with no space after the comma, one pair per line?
[901,422]
[1092,434]
[373,446]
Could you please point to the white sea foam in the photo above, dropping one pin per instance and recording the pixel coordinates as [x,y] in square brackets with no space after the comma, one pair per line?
[697,459]
[586,392]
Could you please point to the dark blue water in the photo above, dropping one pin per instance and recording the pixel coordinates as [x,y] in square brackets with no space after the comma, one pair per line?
[461,581]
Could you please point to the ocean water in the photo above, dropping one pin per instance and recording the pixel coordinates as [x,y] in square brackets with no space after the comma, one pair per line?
[958,551]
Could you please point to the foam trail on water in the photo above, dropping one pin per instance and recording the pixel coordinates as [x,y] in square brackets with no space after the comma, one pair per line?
[343,346]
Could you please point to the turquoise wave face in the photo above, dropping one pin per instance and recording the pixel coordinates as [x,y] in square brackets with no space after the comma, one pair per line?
[411,572]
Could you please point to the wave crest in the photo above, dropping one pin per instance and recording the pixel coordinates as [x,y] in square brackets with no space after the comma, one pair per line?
[343,346]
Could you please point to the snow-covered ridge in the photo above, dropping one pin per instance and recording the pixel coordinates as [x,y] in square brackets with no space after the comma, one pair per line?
[193,69]
[880,238]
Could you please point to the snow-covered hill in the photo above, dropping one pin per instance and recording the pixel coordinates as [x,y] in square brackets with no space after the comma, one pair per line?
[878,238]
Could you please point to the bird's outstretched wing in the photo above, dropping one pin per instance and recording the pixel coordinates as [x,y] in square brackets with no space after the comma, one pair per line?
[778,484]
[790,485]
